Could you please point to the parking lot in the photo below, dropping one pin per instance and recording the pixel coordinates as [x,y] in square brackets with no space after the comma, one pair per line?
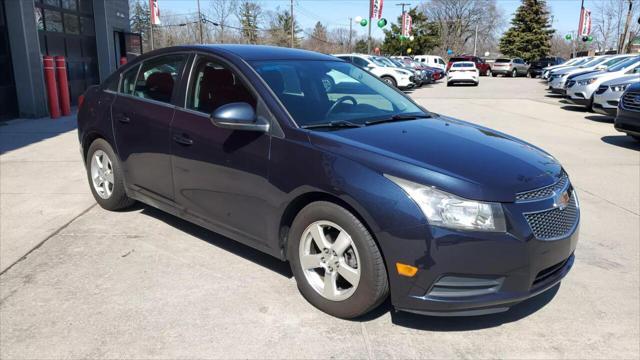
[81,282]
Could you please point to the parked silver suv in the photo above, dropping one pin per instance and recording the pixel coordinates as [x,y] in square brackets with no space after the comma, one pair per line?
[510,67]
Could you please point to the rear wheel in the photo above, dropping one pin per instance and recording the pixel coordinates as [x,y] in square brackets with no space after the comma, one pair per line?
[337,264]
[390,81]
[514,73]
[105,177]
[494,75]
[488,73]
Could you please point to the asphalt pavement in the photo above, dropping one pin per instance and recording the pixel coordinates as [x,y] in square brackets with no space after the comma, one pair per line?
[77,281]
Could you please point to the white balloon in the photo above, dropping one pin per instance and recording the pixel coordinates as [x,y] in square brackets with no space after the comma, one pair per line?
[357,19]
[487,53]
[411,38]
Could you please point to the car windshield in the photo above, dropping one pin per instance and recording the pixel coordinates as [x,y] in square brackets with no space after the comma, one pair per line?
[397,63]
[624,63]
[386,61]
[503,60]
[377,61]
[594,62]
[319,92]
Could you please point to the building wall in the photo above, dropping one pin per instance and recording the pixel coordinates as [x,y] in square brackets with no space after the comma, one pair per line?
[27,45]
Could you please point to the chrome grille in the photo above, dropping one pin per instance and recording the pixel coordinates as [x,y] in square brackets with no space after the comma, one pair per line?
[631,100]
[544,192]
[555,223]
[602,89]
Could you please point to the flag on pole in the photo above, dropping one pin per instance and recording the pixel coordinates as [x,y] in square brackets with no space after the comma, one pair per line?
[406,24]
[584,28]
[155,12]
[375,7]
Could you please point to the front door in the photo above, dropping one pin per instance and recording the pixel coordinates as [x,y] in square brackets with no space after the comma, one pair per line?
[142,116]
[220,175]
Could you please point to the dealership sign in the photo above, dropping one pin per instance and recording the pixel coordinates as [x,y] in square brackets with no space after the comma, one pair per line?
[585,22]
[406,24]
[375,7]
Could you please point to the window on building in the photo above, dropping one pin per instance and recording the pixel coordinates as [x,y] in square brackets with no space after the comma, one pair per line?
[70,4]
[71,24]
[55,3]
[52,21]
[86,26]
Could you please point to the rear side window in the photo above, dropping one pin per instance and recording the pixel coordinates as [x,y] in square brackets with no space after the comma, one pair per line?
[128,85]
[455,59]
[360,62]
[441,62]
[158,76]
[503,60]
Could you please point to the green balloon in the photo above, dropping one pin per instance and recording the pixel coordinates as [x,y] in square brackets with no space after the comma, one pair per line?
[382,23]
[363,22]
[568,36]
[590,38]
[402,38]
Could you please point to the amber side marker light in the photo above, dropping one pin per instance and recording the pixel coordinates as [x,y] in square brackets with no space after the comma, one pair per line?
[406,270]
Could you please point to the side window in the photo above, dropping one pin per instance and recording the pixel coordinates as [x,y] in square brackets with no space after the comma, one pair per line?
[214,85]
[360,62]
[112,83]
[128,85]
[158,76]
[441,62]
[345,58]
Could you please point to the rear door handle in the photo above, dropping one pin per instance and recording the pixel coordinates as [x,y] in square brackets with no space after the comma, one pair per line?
[123,118]
[183,139]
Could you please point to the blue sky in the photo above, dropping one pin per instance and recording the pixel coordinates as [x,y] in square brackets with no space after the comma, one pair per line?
[334,13]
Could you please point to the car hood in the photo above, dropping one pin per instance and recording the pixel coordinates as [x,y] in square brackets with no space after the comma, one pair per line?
[600,75]
[461,158]
[579,75]
[621,79]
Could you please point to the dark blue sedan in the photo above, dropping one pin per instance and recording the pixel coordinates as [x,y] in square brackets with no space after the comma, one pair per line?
[319,163]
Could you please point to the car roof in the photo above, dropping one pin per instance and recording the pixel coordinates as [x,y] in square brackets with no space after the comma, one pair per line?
[250,52]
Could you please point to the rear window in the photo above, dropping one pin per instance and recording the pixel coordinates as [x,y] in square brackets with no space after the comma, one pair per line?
[457,59]
[503,60]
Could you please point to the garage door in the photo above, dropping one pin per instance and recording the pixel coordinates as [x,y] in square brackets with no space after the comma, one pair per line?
[66,28]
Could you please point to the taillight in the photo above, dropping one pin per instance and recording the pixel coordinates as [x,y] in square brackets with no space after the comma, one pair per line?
[80,101]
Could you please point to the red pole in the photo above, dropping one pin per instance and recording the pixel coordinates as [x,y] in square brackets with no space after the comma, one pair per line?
[63,86]
[52,91]
[123,60]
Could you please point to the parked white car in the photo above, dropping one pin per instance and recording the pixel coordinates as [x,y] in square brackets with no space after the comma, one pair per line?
[396,77]
[463,72]
[607,97]
[572,62]
[558,77]
[432,61]
[580,90]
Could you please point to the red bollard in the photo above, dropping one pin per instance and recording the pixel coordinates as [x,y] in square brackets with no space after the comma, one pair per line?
[52,91]
[123,60]
[63,86]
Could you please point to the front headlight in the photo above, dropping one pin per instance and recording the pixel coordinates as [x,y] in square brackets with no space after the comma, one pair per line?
[401,72]
[587,81]
[619,87]
[450,211]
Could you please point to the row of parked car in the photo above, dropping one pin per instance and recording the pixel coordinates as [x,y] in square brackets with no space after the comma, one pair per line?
[608,85]
[399,71]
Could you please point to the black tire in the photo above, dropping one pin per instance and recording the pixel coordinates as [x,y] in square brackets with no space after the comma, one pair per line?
[636,138]
[514,73]
[448,84]
[590,105]
[494,75]
[373,287]
[390,81]
[476,84]
[118,199]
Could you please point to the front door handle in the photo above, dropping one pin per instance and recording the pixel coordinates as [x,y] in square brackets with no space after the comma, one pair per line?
[183,140]
[123,118]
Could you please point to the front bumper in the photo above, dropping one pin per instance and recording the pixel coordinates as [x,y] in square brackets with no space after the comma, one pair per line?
[608,111]
[628,122]
[464,273]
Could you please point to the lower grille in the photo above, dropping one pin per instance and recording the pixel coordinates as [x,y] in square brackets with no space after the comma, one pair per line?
[555,223]
[549,272]
[459,286]
[631,100]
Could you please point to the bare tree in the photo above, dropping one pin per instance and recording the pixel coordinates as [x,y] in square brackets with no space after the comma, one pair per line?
[221,12]
[609,17]
[457,21]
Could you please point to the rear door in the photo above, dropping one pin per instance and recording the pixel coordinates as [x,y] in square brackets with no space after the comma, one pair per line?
[141,116]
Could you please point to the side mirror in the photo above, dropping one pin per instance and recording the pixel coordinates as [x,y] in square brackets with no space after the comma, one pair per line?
[370,66]
[238,116]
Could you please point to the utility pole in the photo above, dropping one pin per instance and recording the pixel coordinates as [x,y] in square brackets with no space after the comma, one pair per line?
[475,42]
[621,46]
[292,22]
[369,36]
[401,27]
[200,22]
[350,32]
[151,34]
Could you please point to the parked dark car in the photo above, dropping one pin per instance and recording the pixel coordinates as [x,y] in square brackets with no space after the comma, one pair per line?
[317,162]
[628,117]
[481,64]
[535,69]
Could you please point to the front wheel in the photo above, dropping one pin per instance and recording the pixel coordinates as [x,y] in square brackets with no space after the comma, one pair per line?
[514,73]
[488,73]
[105,177]
[390,81]
[337,264]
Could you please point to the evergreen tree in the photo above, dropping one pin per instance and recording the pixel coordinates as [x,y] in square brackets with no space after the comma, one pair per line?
[140,20]
[529,36]
[361,46]
[281,30]
[425,36]
[248,15]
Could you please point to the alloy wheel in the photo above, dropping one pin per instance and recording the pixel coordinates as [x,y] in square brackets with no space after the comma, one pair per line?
[102,174]
[329,260]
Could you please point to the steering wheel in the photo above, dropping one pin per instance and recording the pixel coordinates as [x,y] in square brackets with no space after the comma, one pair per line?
[340,101]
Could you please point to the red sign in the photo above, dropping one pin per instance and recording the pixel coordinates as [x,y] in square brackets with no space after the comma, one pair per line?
[155,12]
[375,9]
[406,24]
[584,29]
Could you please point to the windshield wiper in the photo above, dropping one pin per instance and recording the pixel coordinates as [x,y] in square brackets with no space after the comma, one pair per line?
[332,124]
[398,117]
